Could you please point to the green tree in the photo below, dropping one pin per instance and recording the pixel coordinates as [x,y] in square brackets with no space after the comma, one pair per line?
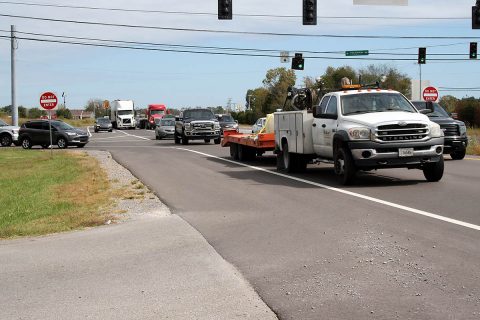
[277,82]
[63,112]
[467,110]
[449,102]
[331,79]
[97,106]
[389,77]
[35,113]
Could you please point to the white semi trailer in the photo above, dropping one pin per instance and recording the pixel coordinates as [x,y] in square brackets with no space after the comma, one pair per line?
[122,114]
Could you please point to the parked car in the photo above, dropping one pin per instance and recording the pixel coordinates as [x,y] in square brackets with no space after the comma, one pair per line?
[8,134]
[455,131]
[259,125]
[226,122]
[165,128]
[103,124]
[37,132]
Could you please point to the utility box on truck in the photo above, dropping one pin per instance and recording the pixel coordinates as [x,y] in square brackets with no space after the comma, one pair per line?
[122,114]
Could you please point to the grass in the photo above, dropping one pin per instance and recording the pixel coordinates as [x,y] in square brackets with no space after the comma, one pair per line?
[474,141]
[42,195]
[76,123]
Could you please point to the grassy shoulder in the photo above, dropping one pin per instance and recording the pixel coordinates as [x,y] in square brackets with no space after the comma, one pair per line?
[42,195]
[76,123]
[474,141]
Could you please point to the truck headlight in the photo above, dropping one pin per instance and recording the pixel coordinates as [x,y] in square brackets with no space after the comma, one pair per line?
[187,126]
[359,133]
[217,126]
[435,131]
[463,129]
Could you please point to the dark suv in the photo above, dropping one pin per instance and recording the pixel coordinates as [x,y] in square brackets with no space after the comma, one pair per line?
[196,124]
[37,132]
[455,131]
[226,122]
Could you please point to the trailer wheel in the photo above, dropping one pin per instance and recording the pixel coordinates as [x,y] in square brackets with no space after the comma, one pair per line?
[433,172]
[344,166]
[234,151]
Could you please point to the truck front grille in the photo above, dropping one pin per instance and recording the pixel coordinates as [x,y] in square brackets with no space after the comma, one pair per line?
[396,132]
[203,126]
[450,129]
[127,121]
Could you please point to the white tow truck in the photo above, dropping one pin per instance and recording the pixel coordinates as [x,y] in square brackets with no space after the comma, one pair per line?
[359,129]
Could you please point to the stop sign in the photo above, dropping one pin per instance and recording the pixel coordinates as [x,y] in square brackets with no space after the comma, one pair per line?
[48,100]
[430,94]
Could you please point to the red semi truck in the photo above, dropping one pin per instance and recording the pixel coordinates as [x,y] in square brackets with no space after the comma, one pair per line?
[154,111]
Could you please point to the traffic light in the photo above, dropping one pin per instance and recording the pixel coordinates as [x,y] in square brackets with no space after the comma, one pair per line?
[298,62]
[473,50]
[476,16]
[309,12]
[224,9]
[422,55]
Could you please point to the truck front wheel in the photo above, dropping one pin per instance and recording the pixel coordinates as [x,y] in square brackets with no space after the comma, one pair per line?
[433,172]
[344,166]
[458,155]
[184,139]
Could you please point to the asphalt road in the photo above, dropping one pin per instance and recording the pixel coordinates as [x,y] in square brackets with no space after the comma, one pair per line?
[392,246]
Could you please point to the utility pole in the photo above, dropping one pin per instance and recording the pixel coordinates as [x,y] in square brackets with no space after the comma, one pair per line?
[14,102]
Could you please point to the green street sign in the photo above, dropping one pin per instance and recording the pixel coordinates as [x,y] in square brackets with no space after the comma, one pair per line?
[356,53]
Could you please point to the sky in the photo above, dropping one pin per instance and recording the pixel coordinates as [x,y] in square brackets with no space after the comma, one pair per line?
[185,79]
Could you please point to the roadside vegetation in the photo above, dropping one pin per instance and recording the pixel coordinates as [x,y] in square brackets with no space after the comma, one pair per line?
[44,194]
[474,141]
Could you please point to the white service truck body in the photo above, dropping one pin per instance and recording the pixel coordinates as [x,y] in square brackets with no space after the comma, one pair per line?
[122,114]
[359,130]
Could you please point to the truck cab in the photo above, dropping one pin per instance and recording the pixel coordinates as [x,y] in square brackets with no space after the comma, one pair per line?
[154,112]
[360,129]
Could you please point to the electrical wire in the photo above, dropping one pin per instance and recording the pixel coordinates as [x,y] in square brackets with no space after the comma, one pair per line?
[219,53]
[215,14]
[235,32]
[221,48]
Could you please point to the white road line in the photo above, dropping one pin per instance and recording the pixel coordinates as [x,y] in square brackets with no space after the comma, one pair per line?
[132,135]
[353,194]
[89,133]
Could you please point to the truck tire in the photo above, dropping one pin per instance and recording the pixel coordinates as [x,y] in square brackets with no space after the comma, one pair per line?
[343,166]
[291,162]
[458,155]
[217,141]
[234,151]
[433,172]
[184,139]
[176,139]
[245,153]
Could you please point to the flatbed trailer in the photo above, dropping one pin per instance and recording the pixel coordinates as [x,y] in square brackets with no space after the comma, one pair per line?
[245,146]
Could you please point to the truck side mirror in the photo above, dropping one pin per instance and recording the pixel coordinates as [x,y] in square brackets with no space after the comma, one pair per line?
[425,111]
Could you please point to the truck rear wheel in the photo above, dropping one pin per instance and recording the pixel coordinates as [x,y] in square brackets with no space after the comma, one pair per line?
[234,151]
[433,172]
[344,166]
[290,162]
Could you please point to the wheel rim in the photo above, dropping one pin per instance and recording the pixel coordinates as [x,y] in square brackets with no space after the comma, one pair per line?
[5,141]
[25,143]
[61,143]
[339,165]
[286,158]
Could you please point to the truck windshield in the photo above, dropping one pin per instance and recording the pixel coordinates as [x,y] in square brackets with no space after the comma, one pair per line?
[152,112]
[375,102]
[198,114]
[438,111]
[125,112]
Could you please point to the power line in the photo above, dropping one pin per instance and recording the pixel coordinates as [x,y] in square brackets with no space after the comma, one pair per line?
[234,32]
[218,53]
[215,14]
[222,48]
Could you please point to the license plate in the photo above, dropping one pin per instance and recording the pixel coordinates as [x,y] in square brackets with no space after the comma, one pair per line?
[405,152]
